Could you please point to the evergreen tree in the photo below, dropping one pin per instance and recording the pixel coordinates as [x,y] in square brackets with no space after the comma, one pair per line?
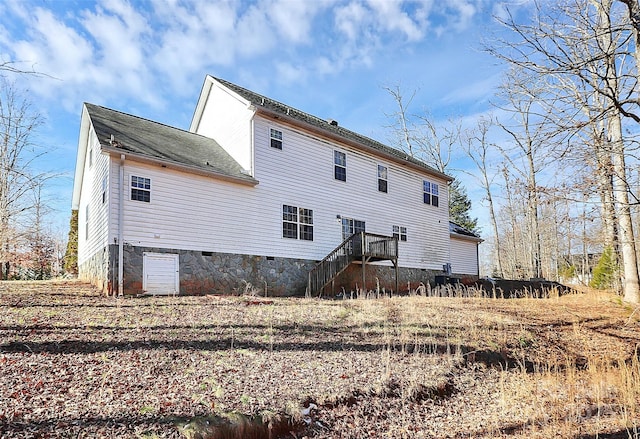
[605,271]
[460,206]
[71,255]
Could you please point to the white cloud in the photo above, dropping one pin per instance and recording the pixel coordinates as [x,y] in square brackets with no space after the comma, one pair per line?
[464,13]
[114,48]
[55,49]
[391,17]
[288,73]
[255,34]
[192,35]
[292,19]
[350,19]
[120,33]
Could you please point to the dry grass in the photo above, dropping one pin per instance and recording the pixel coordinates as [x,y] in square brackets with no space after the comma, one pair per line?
[75,364]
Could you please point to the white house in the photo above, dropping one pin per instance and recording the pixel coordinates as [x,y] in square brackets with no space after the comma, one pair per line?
[255,193]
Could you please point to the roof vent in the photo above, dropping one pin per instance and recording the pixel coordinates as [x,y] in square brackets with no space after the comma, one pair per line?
[332,122]
[113,142]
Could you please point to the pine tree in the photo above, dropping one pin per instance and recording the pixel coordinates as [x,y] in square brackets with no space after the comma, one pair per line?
[460,206]
[605,271]
[71,255]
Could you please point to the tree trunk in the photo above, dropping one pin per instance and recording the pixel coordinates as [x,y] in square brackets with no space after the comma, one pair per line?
[533,202]
[631,283]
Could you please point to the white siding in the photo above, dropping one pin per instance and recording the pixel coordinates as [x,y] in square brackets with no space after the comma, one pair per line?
[228,120]
[91,196]
[302,174]
[200,213]
[464,256]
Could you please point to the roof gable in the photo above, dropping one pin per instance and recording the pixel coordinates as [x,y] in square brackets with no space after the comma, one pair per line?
[142,137]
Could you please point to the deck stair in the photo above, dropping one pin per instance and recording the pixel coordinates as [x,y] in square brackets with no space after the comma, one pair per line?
[361,247]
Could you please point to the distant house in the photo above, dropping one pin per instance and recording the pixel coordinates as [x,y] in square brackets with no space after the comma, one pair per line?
[258,195]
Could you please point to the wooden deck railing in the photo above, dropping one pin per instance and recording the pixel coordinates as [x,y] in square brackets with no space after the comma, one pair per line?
[359,246]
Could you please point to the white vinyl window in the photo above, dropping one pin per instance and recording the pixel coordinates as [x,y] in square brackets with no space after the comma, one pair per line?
[140,189]
[382,179]
[430,193]
[400,233]
[297,223]
[276,138]
[340,165]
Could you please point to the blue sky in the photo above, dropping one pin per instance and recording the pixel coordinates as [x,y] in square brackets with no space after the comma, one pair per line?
[330,58]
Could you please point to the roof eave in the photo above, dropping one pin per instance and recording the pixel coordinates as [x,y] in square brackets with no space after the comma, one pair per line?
[170,164]
[466,237]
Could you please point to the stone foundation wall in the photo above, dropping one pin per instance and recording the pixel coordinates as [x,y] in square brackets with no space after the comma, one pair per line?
[96,270]
[224,273]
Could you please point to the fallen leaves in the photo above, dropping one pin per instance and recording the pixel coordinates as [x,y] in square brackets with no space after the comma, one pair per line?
[74,363]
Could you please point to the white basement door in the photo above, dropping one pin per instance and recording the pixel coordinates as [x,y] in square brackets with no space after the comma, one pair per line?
[160,273]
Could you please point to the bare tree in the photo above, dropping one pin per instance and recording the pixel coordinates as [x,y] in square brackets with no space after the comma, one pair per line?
[631,284]
[12,67]
[18,123]
[401,129]
[42,245]
[532,146]
[477,147]
[419,136]
[587,42]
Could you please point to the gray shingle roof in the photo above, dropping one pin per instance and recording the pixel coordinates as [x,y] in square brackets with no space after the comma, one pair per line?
[158,141]
[262,101]
[459,230]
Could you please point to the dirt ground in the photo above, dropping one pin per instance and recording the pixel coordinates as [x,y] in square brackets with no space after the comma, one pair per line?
[77,364]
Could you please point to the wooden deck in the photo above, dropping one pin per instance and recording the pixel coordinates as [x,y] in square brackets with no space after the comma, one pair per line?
[360,247]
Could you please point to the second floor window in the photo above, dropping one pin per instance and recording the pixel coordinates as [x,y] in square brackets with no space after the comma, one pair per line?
[340,165]
[140,189]
[430,193]
[276,139]
[382,178]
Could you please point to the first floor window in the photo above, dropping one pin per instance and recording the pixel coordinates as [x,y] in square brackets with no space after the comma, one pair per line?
[430,193]
[276,139]
[140,189]
[340,165]
[306,224]
[297,223]
[351,226]
[382,178]
[400,233]
[289,222]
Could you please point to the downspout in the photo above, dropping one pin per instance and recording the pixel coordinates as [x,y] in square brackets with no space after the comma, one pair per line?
[120,227]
